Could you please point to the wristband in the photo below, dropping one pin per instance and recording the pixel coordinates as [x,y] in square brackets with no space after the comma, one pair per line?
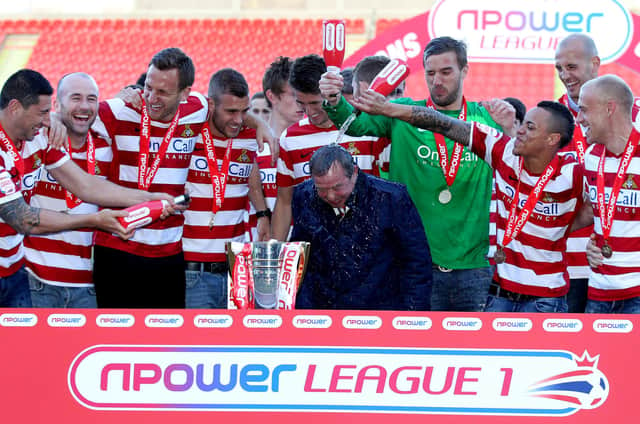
[261,214]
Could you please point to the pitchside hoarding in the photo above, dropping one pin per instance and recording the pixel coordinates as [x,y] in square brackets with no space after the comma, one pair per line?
[286,366]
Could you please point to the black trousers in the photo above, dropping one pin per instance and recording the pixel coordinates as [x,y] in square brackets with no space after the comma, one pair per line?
[123,280]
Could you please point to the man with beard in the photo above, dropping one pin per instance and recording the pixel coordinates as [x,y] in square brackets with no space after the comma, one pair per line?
[59,265]
[25,159]
[454,209]
[222,174]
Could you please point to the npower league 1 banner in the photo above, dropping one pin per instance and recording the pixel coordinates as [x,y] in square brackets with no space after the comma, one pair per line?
[316,367]
[507,31]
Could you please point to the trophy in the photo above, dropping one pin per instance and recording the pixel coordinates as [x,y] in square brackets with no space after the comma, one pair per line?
[265,274]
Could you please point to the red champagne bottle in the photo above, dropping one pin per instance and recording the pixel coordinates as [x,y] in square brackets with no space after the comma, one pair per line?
[147,212]
[390,77]
[333,43]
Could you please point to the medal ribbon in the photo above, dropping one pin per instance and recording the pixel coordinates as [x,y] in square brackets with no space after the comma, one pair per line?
[578,136]
[450,169]
[218,175]
[242,281]
[516,221]
[145,177]
[71,199]
[13,152]
[290,274]
[607,211]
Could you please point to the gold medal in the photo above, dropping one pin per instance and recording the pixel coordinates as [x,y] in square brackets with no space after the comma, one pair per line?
[445,196]
[499,257]
[606,251]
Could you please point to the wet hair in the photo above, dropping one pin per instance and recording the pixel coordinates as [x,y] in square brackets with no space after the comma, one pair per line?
[306,72]
[227,81]
[276,77]
[561,120]
[347,78]
[367,69]
[520,108]
[26,86]
[442,45]
[324,158]
[174,58]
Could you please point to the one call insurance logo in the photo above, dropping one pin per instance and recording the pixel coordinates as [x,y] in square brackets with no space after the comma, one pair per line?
[455,381]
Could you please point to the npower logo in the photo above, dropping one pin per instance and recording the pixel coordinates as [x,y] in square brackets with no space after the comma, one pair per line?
[367,380]
[529,30]
[18,320]
[164,320]
[66,320]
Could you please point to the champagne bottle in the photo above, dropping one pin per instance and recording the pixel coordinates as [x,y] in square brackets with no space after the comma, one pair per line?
[147,212]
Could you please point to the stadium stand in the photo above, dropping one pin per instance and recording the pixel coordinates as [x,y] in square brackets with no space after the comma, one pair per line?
[115,51]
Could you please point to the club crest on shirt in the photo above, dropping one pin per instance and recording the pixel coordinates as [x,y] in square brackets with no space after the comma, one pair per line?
[37,162]
[188,132]
[244,157]
[353,149]
[548,198]
[630,183]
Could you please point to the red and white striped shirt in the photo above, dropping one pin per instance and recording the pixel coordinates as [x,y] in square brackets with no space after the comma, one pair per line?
[38,158]
[301,140]
[64,259]
[619,276]
[199,242]
[536,263]
[120,123]
[577,263]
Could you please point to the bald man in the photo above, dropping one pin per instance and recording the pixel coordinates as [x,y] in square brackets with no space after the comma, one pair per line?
[577,62]
[59,265]
[612,181]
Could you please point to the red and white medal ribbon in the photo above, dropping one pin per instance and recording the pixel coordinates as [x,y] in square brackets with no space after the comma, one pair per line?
[578,136]
[449,168]
[218,175]
[290,274]
[242,282]
[516,221]
[11,149]
[71,199]
[608,210]
[146,173]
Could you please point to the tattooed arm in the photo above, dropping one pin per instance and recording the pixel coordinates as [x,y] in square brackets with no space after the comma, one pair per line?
[421,117]
[27,219]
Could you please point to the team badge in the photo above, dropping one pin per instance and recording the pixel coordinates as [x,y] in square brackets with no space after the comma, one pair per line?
[244,157]
[630,183]
[353,149]
[188,132]
[37,162]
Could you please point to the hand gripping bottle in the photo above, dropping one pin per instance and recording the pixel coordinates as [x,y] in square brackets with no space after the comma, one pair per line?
[390,77]
[147,212]
[333,36]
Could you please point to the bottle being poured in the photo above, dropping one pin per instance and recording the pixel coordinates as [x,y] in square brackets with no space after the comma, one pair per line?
[387,80]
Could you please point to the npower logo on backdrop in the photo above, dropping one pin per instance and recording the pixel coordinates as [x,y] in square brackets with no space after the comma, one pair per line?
[389,380]
[528,31]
